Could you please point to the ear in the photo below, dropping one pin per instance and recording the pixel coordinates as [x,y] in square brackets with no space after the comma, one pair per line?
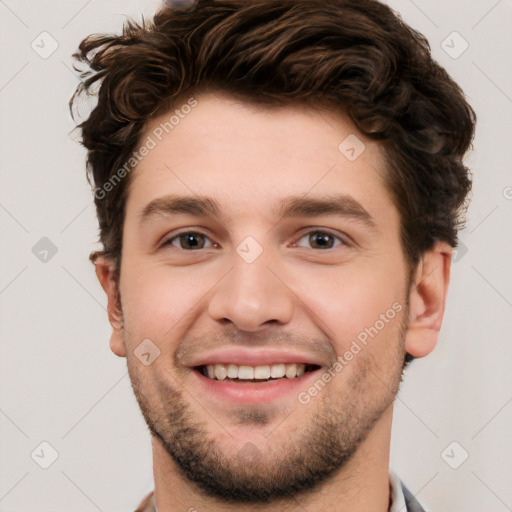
[110,283]
[427,299]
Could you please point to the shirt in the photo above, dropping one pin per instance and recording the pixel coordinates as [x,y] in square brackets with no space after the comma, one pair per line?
[402,499]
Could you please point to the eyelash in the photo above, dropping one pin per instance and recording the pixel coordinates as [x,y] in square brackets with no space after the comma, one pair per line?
[169,241]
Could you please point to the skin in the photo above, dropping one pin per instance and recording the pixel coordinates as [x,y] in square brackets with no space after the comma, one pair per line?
[294,296]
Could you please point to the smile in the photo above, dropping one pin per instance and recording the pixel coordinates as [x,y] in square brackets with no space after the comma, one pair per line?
[245,384]
[234,372]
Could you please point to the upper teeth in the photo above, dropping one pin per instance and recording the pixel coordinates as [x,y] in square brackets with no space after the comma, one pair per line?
[233,371]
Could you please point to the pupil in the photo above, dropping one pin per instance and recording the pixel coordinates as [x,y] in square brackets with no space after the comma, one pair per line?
[189,240]
[322,237]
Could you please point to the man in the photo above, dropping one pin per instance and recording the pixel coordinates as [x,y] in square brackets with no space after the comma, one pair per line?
[279,186]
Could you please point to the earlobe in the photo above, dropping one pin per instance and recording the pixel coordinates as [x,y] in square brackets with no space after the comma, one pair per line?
[427,299]
[109,281]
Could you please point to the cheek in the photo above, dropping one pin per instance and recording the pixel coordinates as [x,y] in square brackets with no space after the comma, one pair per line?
[365,302]
[158,300]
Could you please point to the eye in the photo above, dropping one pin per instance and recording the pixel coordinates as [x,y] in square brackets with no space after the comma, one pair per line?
[188,240]
[321,239]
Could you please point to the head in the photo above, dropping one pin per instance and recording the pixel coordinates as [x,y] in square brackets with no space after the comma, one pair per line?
[279,180]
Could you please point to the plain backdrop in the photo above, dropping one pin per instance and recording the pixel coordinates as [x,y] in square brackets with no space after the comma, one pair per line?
[61,384]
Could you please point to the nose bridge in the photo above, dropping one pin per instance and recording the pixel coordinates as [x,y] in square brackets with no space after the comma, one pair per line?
[252,295]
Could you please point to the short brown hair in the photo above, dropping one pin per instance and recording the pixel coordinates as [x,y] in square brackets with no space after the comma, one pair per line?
[354,55]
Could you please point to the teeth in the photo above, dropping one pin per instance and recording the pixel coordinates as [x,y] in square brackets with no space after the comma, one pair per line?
[232,371]
[276,371]
[291,370]
[220,371]
[245,372]
[262,372]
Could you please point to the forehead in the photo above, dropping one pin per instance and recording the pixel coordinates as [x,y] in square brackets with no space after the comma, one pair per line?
[250,157]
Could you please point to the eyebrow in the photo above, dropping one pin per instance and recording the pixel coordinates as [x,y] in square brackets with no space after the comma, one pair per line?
[292,206]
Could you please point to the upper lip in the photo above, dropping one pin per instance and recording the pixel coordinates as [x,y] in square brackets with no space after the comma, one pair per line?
[254,357]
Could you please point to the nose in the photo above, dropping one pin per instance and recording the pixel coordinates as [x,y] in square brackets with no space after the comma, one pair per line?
[252,295]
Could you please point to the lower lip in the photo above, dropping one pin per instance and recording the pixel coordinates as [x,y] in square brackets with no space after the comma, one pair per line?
[246,392]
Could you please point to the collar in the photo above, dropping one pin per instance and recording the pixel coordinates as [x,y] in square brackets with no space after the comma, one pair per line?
[397,495]
[402,499]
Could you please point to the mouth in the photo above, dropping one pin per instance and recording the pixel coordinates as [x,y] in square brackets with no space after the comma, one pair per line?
[234,375]
[230,372]
[231,384]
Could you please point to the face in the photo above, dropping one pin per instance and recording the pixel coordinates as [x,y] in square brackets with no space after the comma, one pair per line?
[254,245]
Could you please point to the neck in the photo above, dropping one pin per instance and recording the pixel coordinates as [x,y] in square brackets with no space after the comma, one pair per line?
[361,485]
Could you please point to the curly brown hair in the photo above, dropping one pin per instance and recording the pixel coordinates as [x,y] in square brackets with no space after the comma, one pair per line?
[357,56]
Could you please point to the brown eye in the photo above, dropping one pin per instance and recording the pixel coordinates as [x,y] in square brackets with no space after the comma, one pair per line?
[189,240]
[321,240]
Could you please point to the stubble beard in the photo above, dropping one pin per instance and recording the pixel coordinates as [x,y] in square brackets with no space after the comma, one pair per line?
[298,458]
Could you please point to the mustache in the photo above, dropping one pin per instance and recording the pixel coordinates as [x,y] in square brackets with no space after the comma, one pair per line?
[191,346]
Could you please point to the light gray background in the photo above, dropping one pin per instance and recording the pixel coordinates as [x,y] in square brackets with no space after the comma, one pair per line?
[60,383]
